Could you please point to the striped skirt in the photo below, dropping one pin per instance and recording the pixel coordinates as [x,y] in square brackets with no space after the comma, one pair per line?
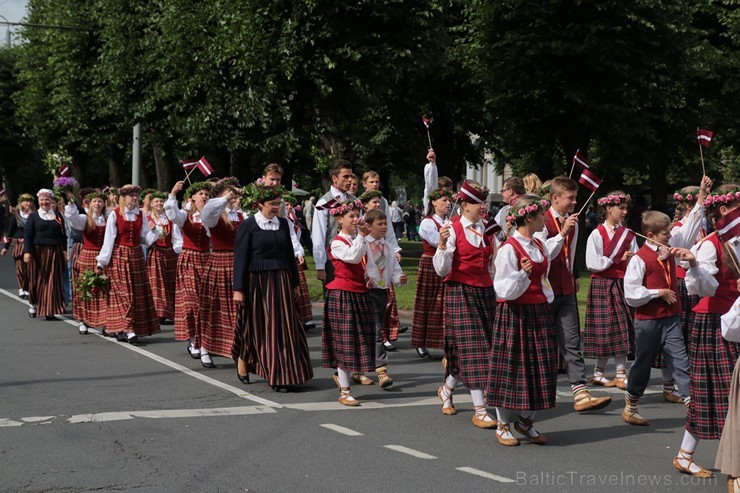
[427,327]
[348,335]
[130,297]
[217,315]
[391,322]
[269,338]
[45,274]
[728,454]
[609,331]
[191,267]
[76,249]
[469,312]
[93,312]
[161,267]
[687,316]
[304,299]
[524,358]
[21,268]
[711,361]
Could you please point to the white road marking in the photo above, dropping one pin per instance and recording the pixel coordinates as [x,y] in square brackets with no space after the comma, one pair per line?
[342,430]
[7,423]
[409,451]
[36,419]
[484,474]
[171,413]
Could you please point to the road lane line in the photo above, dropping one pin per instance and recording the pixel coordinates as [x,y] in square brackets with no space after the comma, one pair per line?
[409,451]
[484,474]
[342,430]
[171,413]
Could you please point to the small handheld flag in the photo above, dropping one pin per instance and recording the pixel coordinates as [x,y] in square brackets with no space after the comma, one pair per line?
[106,189]
[189,164]
[580,160]
[589,180]
[330,204]
[426,124]
[729,226]
[205,167]
[2,191]
[704,136]
[619,244]
[64,170]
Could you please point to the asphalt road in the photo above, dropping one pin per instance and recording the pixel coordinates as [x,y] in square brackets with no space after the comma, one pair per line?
[86,413]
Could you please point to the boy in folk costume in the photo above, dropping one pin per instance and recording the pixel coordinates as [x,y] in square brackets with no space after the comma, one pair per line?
[304,299]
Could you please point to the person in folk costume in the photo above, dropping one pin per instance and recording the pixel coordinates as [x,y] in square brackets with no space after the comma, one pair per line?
[16,230]
[45,252]
[191,262]
[524,353]
[161,260]
[217,315]
[728,453]
[131,314]
[560,237]
[112,202]
[348,336]
[464,258]
[651,287]
[427,327]
[304,299]
[92,224]
[270,340]
[609,331]
[711,357]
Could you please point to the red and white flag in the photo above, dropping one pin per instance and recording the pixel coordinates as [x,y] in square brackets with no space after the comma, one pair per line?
[6,240]
[704,136]
[589,180]
[426,121]
[205,167]
[189,164]
[64,170]
[621,241]
[492,228]
[580,160]
[105,189]
[729,226]
[2,191]
[330,204]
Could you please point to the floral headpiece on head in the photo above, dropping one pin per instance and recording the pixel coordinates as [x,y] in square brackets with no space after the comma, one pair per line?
[716,199]
[129,190]
[685,197]
[96,195]
[84,192]
[622,198]
[24,197]
[145,192]
[290,198]
[112,190]
[344,207]
[197,187]
[369,195]
[224,184]
[159,195]
[254,195]
[530,210]
[438,194]
[544,190]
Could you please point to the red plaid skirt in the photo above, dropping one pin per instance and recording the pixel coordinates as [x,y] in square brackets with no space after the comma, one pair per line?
[711,360]
[609,331]
[45,274]
[469,312]
[76,249]
[348,336]
[269,337]
[524,358]
[304,299]
[94,312]
[21,268]
[217,315]
[427,327]
[191,267]
[161,267]
[131,308]
[687,316]
[391,322]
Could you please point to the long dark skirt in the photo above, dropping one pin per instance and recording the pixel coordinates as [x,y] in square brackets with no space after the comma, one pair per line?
[609,330]
[45,273]
[217,315]
[93,312]
[130,296]
[348,336]
[269,338]
[161,266]
[427,327]
[191,267]
[304,298]
[21,268]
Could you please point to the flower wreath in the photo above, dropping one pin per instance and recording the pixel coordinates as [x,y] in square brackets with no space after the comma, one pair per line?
[197,187]
[530,210]
[26,196]
[223,184]
[614,199]
[716,199]
[290,198]
[543,190]
[145,192]
[345,207]
[438,194]
[685,197]
[369,195]
[157,194]
[255,194]
[129,190]
[97,195]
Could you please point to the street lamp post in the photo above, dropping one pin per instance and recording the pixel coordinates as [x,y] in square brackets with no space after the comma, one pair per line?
[7,25]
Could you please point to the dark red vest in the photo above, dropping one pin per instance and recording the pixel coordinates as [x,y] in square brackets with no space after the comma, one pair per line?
[616,271]
[129,232]
[560,277]
[655,278]
[347,277]
[92,239]
[469,263]
[166,240]
[726,293]
[534,293]
[194,237]
[430,250]
[223,235]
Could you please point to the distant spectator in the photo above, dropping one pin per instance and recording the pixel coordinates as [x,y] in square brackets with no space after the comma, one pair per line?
[397,219]
[532,183]
[308,208]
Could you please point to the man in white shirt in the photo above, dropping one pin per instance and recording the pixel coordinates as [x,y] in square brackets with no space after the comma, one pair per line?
[431,176]
[513,189]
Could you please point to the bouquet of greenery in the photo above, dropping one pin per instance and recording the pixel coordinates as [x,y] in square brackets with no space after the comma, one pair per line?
[55,160]
[90,284]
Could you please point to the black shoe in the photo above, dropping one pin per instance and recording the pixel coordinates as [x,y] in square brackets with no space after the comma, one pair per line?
[133,339]
[423,353]
[389,346]
[279,388]
[105,333]
[51,317]
[309,325]
[193,355]
[403,330]
[243,378]
[207,364]
[121,337]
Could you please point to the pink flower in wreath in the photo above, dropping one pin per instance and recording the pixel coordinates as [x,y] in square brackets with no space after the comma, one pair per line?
[689,197]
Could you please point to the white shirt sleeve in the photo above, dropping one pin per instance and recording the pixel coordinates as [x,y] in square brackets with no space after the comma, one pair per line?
[74,218]
[428,231]
[510,281]
[211,212]
[700,280]
[595,259]
[148,236]
[442,259]
[552,245]
[111,231]
[297,248]
[431,181]
[390,236]
[686,235]
[635,292]
[318,235]
[174,214]
[176,239]
[731,323]
[352,254]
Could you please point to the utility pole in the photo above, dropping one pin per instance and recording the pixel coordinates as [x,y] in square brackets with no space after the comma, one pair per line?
[136,157]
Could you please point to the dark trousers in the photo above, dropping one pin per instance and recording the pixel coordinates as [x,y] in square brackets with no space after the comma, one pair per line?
[564,310]
[329,268]
[379,299]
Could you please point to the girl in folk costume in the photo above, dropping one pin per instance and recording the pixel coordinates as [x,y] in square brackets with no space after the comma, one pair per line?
[131,313]
[191,263]
[217,315]
[161,260]
[464,258]
[92,312]
[609,331]
[45,252]
[112,202]
[304,299]
[15,234]
[348,338]
[711,357]
[269,340]
[427,327]
[524,353]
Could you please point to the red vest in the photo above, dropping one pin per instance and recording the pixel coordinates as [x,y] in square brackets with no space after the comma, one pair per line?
[534,293]
[92,239]
[726,293]
[223,235]
[430,250]
[616,271]
[469,263]
[194,237]
[129,232]
[166,240]
[347,277]
[560,277]
[655,278]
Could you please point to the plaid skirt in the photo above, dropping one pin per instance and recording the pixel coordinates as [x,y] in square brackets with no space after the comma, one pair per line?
[348,335]
[76,249]
[729,445]
[427,326]
[269,337]
[45,274]
[687,315]
[93,312]
[130,297]
[524,358]
[609,331]
[161,267]
[469,312]
[217,315]
[304,299]
[391,322]
[191,266]
[21,268]
[711,361]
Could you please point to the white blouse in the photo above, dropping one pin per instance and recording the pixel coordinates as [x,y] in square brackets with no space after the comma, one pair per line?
[442,259]
[79,221]
[428,229]
[595,259]
[510,280]
[352,253]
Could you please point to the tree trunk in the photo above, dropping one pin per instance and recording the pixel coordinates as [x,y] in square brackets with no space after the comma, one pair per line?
[114,171]
[160,164]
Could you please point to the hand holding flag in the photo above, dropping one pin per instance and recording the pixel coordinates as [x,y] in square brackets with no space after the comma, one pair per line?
[425,121]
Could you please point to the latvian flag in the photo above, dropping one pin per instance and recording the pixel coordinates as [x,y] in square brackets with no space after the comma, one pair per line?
[205,167]
[492,228]
[589,180]
[621,241]
[106,189]
[189,164]
[729,226]
[2,191]
[6,240]
[580,160]
[330,204]
[426,121]
[704,136]
[64,170]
